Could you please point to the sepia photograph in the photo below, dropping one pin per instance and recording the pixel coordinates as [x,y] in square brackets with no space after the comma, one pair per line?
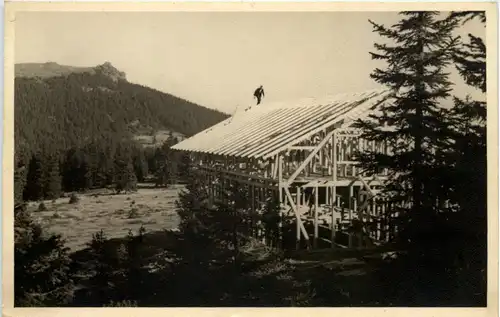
[252,158]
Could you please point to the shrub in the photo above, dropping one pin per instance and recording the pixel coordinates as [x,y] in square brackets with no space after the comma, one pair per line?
[74,199]
[42,207]
[133,213]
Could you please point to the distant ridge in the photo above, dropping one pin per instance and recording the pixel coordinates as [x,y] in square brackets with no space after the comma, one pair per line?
[52,69]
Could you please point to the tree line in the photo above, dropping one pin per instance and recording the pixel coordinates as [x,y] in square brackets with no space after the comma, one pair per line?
[119,166]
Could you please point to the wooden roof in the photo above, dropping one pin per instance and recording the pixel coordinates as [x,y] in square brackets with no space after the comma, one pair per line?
[267,129]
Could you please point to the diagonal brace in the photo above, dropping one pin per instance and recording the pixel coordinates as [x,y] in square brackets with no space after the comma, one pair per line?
[296,211]
[310,157]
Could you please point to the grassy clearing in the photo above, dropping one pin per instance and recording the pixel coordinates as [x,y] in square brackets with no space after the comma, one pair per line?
[160,137]
[154,208]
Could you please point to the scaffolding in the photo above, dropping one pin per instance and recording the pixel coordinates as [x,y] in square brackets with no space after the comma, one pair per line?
[302,153]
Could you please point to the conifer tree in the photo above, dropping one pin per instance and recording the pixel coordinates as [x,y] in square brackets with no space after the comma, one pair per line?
[418,52]
[124,174]
[42,275]
[410,123]
[160,165]
[19,184]
[104,262]
[140,164]
[196,250]
[230,219]
[125,178]
[470,115]
[184,166]
[195,212]
[133,264]
[77,172]
[52,186]
[166,163]
[468,165]
[35,179]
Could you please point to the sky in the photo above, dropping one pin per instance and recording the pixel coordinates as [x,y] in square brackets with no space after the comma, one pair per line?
[217,59]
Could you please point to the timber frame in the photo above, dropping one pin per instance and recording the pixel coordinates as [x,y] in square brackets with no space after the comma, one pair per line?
[315,176]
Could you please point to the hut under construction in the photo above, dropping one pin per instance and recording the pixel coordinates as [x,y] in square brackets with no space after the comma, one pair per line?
[302,152]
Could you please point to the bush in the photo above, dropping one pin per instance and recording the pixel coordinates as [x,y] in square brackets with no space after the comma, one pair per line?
[42,207]
[133,213]
[74,199]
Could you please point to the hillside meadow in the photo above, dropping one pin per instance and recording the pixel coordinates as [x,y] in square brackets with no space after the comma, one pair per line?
[115,214]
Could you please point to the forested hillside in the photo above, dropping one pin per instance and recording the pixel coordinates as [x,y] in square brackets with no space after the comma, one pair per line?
[72,109]
[76,128]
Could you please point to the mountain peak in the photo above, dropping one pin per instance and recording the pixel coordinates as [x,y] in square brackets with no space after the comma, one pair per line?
[110,71]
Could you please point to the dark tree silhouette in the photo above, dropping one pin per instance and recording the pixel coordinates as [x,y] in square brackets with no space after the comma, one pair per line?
[411,124]
[42,265]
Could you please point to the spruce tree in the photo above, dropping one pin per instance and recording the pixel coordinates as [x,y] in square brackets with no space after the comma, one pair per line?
[165,164]
[184,166]
[102,268]
[140,164]
[124,177]
[77,171]
[19,184]
[418,51]
[410,123]
[42,274]
[35,179]
[468,164]
[197,249]
[52,186]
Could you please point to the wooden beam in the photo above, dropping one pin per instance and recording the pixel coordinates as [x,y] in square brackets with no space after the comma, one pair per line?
[316,205]
[301,148]
[334,188]
[275,166]
[298,223]
[309,158]
[296,211]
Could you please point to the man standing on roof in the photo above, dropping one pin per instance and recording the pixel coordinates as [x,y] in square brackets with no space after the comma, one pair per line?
[259,93]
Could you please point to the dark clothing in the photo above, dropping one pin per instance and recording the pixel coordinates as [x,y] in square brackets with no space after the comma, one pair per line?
[259,93]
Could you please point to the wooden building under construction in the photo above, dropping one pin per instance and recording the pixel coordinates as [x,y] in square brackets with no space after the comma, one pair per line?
[302,152]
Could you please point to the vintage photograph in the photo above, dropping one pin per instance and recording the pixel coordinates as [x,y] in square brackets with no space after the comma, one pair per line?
[250,159]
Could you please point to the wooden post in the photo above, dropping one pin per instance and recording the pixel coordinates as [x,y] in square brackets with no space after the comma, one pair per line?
[316,229]
[354,207]
[261,201]
[376,217]
[351,196]
[298,216]
[252,198]
[280,197]
[334,188]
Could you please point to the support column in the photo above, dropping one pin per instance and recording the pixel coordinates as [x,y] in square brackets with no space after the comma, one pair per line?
[252,198]
[334,188]
[279,160]
[316,229]
[298,216]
